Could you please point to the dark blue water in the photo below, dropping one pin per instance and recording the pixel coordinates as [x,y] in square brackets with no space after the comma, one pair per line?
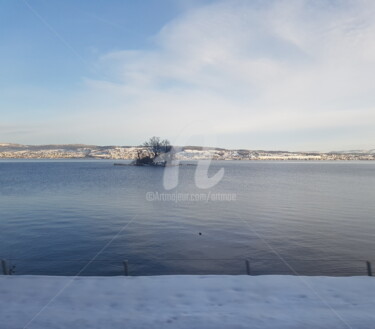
[86,217]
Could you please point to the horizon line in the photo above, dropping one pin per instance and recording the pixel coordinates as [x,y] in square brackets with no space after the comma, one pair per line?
[187,146]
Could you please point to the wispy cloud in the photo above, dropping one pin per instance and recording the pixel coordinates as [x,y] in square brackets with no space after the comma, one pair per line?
[248,66]
[244,67]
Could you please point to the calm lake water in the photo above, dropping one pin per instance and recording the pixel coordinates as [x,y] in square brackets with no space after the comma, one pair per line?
[288,217]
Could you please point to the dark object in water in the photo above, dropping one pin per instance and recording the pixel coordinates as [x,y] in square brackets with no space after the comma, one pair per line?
[154,165]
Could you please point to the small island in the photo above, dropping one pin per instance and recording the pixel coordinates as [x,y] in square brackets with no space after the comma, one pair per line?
[154,152]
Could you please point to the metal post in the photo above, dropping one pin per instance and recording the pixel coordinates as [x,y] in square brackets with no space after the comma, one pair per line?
[5,267]
[369,269]
[247,267]
[126,267]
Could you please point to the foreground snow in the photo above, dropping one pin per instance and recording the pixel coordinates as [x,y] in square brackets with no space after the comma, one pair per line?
[189,302]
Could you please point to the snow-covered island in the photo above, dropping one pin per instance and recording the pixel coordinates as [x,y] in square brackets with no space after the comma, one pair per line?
[187,302]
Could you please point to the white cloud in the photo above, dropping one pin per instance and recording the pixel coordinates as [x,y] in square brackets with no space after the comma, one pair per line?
[244,67]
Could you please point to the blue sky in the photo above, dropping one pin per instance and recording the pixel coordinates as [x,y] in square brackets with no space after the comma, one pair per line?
[54,42]
[285,74]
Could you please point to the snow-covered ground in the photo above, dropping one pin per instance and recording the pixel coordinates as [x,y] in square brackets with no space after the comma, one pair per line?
[188,302]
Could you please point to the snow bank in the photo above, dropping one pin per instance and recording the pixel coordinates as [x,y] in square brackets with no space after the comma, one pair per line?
[187,302]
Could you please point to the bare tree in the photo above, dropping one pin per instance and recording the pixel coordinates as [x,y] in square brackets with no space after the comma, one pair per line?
[155,146]
[158,152]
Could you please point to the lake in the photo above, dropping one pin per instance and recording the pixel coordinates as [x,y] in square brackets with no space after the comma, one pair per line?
[87,217]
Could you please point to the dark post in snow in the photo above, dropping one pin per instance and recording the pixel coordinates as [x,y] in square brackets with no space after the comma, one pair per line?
[247,267]
[126,268]
[5,267]
[369,269]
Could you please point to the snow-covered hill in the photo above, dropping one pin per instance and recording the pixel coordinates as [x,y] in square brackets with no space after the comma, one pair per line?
[81,151]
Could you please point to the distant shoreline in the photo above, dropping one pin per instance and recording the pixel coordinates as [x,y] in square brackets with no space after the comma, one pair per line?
[188,160]
[190,153]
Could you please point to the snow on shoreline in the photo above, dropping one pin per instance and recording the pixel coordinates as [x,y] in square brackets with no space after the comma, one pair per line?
[187,302]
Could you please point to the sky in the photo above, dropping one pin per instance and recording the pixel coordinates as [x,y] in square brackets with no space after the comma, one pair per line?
[272,74]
